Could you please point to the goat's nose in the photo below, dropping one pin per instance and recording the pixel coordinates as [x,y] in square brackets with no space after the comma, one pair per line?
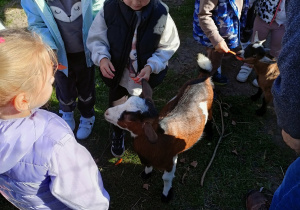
[106,113]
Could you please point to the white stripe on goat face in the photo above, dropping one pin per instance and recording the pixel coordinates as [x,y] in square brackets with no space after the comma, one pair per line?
[133,104]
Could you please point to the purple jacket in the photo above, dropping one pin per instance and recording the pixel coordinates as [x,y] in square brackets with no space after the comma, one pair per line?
[43,167]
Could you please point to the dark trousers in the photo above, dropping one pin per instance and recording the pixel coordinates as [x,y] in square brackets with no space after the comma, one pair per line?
[80,84]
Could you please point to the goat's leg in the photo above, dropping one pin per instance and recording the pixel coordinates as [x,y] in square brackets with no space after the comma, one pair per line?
[256,96]
[262,110]
[266,100]
[168,177]
[208,130]
[146,174]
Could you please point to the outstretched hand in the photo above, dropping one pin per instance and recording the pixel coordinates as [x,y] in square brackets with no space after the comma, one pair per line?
[107,68]
[291,142]
[144,74]
[222,47]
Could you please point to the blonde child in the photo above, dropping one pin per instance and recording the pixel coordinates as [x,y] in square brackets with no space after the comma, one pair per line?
[41,164]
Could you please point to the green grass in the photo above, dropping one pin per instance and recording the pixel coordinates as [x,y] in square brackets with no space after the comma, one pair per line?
[247,158]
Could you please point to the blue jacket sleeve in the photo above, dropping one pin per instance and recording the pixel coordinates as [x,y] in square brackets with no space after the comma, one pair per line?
[36,22]
[286,88]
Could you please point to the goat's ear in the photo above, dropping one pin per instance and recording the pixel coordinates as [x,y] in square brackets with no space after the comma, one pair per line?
[256,40]
[150,133]
[267,60]
[146,90]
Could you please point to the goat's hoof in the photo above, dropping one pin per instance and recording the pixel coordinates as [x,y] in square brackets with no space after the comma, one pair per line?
[166,199]
[254,97]
[260,112]
[145,176]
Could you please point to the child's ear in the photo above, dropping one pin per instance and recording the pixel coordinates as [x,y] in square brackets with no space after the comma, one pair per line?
[21,102]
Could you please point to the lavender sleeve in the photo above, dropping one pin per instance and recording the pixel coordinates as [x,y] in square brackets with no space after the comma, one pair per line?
[75,178]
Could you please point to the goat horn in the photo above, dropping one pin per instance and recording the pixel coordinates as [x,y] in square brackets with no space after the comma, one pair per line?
[257,40]
[256,37]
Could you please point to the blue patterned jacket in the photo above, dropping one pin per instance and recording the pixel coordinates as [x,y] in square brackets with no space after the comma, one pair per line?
[226,18]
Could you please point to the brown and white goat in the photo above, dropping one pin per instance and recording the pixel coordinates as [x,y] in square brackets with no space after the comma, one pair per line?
[265,68]
[159,138]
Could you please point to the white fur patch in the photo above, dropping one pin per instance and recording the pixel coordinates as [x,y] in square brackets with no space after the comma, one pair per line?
[168,177]
[204,62]
[257,45]
[133,104]
[203,107]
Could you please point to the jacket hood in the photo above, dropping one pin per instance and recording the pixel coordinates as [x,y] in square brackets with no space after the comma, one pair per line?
[17,137]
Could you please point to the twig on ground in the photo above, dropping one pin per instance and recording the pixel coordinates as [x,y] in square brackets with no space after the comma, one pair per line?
[221,133]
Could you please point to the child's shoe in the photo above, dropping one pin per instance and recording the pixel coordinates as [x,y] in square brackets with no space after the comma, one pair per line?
[244,73]
[254,82]
[85,127]
[117,145]
[219,79]
[69,118]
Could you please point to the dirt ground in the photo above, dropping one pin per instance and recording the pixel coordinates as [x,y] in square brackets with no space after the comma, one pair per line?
[183,62]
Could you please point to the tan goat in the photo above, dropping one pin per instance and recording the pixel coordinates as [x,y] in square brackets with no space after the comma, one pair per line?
[265,68]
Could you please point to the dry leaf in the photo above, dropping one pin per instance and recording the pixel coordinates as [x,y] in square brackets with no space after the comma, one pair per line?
[119,161]
[233,122]
[97,160]
[194,163]
[182,160]
[235,152]
[146,186]
[225,114]
[184,175]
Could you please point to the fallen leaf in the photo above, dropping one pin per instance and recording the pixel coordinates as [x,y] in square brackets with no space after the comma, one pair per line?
[233,122]
[182,160]
[235,152]
[225,114]
[146,186]
[194,163]
[119,161]
[96,160]
[184,175]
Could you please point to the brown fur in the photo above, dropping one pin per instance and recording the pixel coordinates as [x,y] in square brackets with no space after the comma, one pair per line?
[266,74]
[177,138]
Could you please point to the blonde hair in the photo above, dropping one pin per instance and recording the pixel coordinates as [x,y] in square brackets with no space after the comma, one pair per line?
[24,59]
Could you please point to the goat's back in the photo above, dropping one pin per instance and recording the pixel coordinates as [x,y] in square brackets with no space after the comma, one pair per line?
[189,112]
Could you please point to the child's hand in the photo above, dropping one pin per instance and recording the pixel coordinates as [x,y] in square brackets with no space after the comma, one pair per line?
[144,74]
[291,142]
[222,47]
[107,68]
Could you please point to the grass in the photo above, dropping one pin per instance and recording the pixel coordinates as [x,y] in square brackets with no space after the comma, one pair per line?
[247,158]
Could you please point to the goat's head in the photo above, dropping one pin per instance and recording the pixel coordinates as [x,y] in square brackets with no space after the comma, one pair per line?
[136,115]
[255,52]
